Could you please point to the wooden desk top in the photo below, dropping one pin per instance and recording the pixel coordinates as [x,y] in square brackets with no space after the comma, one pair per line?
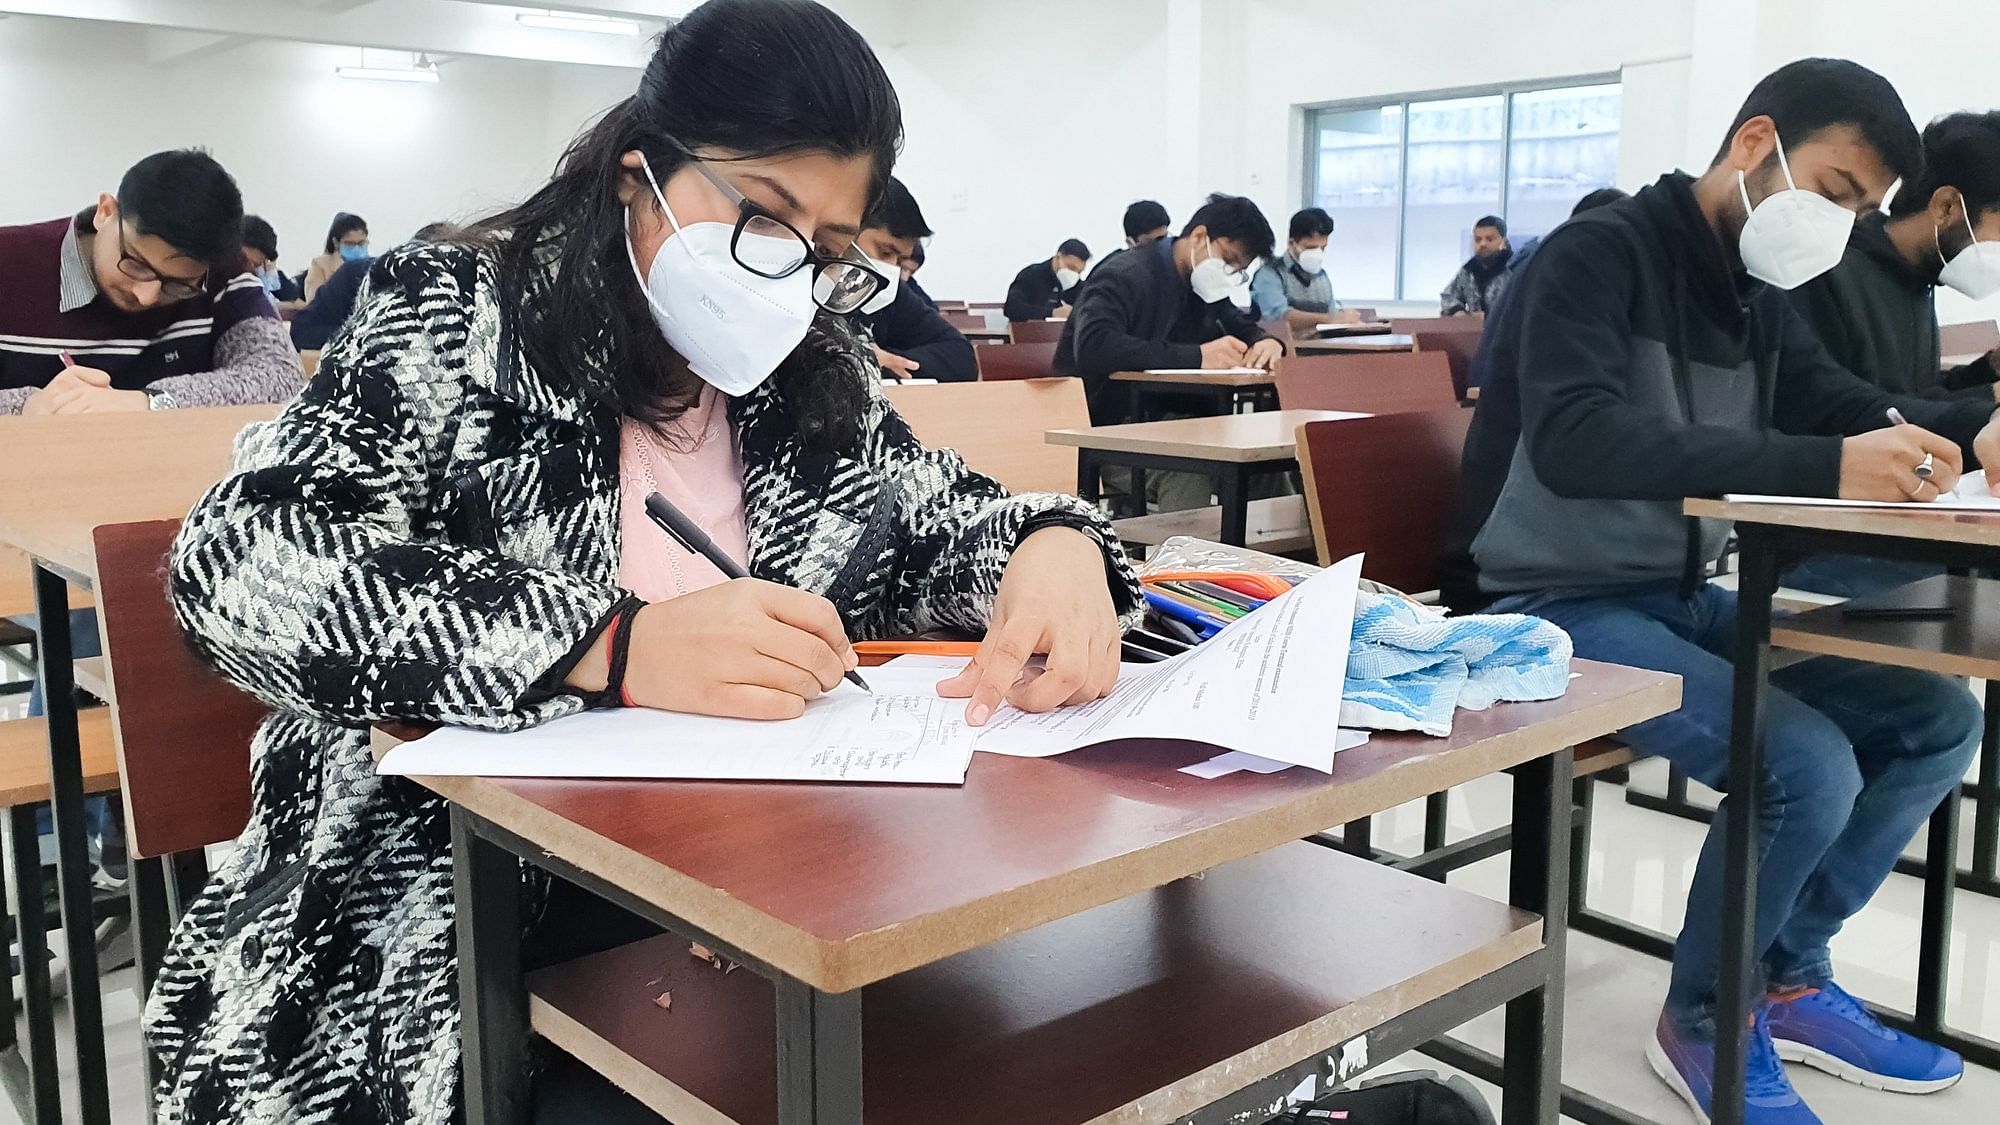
[1332,331]
[845,885]
[1238,438]
[1909,521]
[63,476]
[1200,379]
[1374,343]
[1966,643]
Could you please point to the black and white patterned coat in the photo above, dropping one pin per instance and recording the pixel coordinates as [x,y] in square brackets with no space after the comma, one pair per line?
[422,537]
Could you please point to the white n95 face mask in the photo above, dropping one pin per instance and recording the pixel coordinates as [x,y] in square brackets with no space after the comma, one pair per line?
[1794,235]
[732,326]
[885,296]
[1975,270]
[1067,278]
[1212,279]
[1311,261]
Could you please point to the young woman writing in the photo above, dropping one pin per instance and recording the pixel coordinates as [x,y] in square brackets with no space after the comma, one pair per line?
[447,526]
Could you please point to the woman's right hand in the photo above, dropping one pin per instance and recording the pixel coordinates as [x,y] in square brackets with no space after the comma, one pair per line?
[745,649]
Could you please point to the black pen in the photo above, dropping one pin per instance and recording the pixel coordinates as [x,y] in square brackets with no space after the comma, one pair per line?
[683,531]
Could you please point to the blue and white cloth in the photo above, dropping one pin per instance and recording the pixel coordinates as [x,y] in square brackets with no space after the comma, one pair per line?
[1411,668]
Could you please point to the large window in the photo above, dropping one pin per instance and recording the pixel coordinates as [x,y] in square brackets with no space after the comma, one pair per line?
[1406,180]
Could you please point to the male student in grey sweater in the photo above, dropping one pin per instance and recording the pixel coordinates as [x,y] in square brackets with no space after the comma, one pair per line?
[1656,357]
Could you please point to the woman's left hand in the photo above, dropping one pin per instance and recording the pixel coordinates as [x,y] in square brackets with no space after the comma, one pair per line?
[1054,600]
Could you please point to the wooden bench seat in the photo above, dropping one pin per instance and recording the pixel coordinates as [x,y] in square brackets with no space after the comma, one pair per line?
[24,757]
[1062,1023]
[1277,526]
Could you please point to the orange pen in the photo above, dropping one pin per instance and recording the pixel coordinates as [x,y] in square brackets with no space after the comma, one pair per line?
[916,648]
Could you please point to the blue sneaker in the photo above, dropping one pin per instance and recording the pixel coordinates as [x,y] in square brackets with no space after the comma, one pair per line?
[1829,1030]
[1687,1065]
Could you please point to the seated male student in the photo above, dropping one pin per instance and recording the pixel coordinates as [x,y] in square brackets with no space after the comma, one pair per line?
[1044,289]
[1657,357]
[1166,304]
[1875,312]
[1296,288]
[912,340]
[911,265]
[260,260]
[1481,360]
[139,302]
[1145,221]
[1477,285]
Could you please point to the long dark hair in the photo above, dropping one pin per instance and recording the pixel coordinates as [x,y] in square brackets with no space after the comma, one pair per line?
[757,77]
[343,224]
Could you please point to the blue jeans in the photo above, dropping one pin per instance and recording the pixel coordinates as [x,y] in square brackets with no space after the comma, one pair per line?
[84,643]
[1855,576]
[1856,758]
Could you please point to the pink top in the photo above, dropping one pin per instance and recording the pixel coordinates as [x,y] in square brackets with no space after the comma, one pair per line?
[701,472]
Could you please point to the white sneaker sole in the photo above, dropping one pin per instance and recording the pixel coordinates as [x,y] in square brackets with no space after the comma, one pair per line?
[1819,1060]
[1663,1066]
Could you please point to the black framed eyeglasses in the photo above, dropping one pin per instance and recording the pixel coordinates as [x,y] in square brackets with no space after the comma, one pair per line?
[139,269]
[770,247]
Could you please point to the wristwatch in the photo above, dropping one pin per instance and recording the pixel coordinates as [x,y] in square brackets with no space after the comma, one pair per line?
[157,399]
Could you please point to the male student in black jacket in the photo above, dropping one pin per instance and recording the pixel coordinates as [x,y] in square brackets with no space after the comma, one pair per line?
[1875,311]
[1165,303]
[912,339]
[1043,287]
[1657,357]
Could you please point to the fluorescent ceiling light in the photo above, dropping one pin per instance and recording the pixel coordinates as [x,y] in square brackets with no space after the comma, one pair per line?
[578,21]
[389,73]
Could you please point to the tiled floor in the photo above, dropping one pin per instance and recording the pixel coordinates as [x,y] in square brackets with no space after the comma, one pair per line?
[1639,871]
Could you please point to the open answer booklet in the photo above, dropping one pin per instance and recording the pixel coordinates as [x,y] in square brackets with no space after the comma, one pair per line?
[1267,685]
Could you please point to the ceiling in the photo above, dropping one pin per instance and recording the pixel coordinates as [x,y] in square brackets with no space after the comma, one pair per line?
[180,31]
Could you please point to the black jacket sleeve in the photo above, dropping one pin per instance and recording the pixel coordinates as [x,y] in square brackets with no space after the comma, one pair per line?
[915,331]
[1586,436]
[1030,296]
[1818,396]
[1242,325]
[330,307]
[1104,332]
[1977,375]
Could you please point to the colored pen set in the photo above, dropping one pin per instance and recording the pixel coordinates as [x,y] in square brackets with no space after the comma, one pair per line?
[1192,606]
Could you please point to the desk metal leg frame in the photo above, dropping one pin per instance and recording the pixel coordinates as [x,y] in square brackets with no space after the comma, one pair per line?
[1736,983]
[72,857]
[29,1068]
[819,1033]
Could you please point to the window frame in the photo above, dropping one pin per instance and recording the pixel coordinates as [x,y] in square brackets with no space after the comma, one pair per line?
[1309,142]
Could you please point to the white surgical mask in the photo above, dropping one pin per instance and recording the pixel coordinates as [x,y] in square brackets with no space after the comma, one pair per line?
[732,326]
[1975,270]
[1311,261]
[887,295]
[1794,235]
[1067,278]
[1212,279]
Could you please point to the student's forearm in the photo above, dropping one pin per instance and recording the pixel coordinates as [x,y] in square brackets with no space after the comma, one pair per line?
[255,363]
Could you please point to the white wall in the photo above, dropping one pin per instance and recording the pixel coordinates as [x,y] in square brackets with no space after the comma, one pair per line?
[84,101]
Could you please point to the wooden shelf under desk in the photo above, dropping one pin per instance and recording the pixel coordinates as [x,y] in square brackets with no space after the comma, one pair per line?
[1964,644]
[1144,1009]
[1276,526]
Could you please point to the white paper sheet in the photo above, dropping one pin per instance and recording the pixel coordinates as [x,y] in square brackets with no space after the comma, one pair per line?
[1236,761]
[1969,495]
[902,734]
[1269,684]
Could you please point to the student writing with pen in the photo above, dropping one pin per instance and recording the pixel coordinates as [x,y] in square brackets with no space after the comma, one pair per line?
[448,526]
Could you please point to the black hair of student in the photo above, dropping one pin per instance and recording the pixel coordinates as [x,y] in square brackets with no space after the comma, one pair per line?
[761,78]
[186,200]
[896,211]
[1961,151]
[1602,197]
[1806,97]
[344,224]
[1313,221]
[1494,221]
[439,231]
[258,235]
[1235,218]
[1074,248]
[1144,217]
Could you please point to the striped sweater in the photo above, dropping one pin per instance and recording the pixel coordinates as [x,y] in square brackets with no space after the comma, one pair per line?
[219,349]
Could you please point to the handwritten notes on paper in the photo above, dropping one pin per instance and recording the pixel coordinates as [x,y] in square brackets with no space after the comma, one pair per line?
[899,735]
